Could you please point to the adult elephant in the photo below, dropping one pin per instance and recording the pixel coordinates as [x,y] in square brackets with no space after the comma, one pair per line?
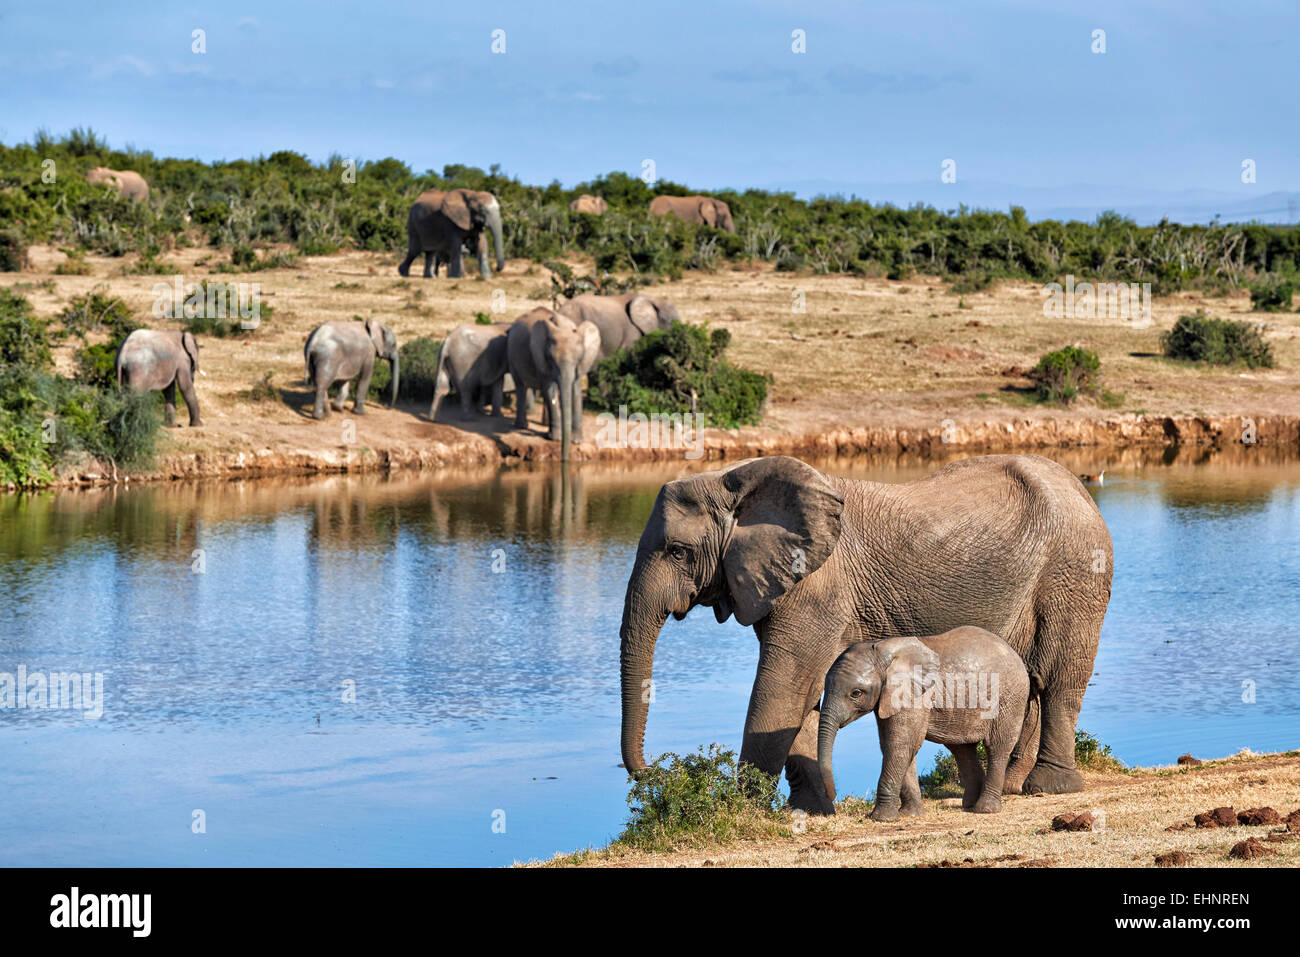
[704,210]
[586,203]
[550,353]
[150,360]
[441,222]
[343,351]
[622,320]
[472,361]
[1010,543]
[128,183]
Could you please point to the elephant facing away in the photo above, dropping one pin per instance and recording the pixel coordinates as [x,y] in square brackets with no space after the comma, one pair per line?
[343,351]
[441,222]
[128,183]
[586,203]
[622,320]
[550,353]
[959,689]
[150,360]
[472,361]
[1009,543]
[704,210]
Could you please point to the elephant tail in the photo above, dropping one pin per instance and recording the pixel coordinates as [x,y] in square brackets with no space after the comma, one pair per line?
[442,380]
[309,366]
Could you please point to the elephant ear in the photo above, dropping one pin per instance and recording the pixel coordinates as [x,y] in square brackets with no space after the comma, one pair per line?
[455,208]
[910,668]
[589,332]
[642,313]
[375,330]
[538,345]
[708,212]
[191,347]
[783,525]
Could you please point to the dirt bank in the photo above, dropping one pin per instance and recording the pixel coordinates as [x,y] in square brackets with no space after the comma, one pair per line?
[1139,816]
[871,366]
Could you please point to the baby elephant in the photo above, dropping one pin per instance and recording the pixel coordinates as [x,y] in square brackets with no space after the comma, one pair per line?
[958,689]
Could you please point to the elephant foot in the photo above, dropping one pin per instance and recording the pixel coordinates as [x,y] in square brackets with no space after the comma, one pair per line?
[912,810]
[810,802]
[319,413]
[196,424]
[884,814]
[987,804]
[1047,779]
[336,406]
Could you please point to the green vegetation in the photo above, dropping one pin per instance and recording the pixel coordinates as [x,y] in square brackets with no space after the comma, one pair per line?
[1203,338]
[943,780]
[1061,376]
[285,199]
[419,359]
[45,418]
[680,369]
[1272,294]
[701,799]
[1092,755]
[13,251]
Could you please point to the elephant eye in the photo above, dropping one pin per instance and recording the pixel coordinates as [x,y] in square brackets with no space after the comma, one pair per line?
[677,551]
[855,693]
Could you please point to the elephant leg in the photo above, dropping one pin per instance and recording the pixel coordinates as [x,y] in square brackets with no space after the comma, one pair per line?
[1054,771]
[1025,752]
[484,270]
[468,391]
[412,251]
[498,397]
[186,383]
[911,794]
[342,396]
[1000,742]
[972,775]
[322,396]
[900,738]
[521,405]
[430,263]
[169,397]
[454,263]
[363,388]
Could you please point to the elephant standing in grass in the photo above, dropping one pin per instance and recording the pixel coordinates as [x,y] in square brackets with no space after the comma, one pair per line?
[622,320]
[550,354]
[959,689]
[343,351]
[704,210]
[1009,543]
[441,222]
[472,361]
[586,203]
[128,183]
[151,360]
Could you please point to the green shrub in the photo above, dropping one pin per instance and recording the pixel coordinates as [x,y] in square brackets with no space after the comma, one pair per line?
[976,280]
[702,798]
[419,359]
[1091,754]
[13,251]
[1062,375]
[1203,338]
[24,339]
[676,370]
[74,265]
[1271,294]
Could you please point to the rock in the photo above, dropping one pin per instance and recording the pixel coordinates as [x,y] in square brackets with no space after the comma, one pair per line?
[1258,816]
[1073,822]
[1173,859]
[1179,827]
[1187,760]
[1250,849]
[1219,817]
[1293,821]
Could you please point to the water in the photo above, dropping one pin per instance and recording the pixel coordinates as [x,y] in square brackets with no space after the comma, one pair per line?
[231,621]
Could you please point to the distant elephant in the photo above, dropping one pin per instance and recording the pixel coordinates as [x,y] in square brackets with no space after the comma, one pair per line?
[587,203]
[958,689]
[695,209]
[550,354]
[342,351]
[440,222]
[472,361]
[128,183]
[622,320]
[149,360]
[1010,543]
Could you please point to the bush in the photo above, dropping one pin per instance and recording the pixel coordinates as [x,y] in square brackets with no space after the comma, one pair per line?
[24,340]
[1271,294]
[702,798]
[74,265]
[676,370]
[1203,338]
[1062,375]
[13,251]
[419,372]
[1091,754]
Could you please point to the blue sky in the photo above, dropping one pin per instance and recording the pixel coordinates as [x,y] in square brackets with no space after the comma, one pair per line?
[711,91]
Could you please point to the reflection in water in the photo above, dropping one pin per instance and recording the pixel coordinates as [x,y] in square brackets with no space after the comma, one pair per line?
[393,659]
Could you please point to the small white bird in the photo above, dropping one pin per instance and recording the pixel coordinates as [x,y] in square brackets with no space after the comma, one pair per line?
[1093,479]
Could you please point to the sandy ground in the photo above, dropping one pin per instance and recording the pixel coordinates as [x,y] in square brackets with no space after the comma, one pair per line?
[1133,813]
[870,364]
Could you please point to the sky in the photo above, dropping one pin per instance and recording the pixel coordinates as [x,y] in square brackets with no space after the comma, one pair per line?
[712,92]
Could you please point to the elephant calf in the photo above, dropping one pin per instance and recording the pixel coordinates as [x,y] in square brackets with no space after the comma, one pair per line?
[960,688]
[150,360]
[343,351]
[472,361]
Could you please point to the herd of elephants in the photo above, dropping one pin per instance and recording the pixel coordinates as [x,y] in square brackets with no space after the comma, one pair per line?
[993,572]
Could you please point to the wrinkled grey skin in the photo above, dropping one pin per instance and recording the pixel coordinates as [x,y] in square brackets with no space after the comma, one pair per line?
[622,320]
[980,690]
[695,209]
[150,360]
[343,351]
[550,354]
[441,222]
[472,361]
[1008,543]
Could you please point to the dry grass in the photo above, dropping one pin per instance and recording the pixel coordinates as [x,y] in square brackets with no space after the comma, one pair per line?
[1138,806]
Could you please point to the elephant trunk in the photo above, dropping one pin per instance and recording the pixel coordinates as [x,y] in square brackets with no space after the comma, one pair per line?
[567,380]
[637,638]
[392,394]
[498,239]
[827,728]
